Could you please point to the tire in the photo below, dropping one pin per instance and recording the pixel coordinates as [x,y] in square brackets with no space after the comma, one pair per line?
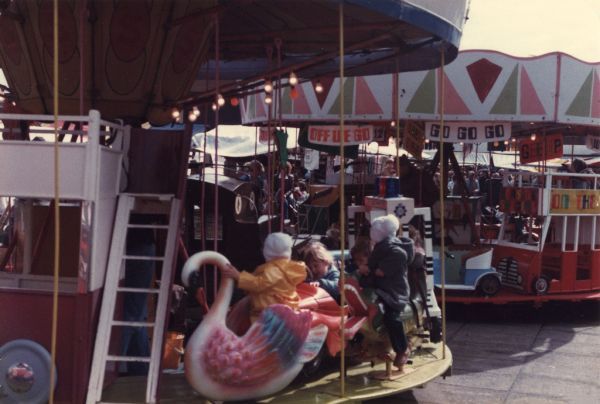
[489,285]
[541,285]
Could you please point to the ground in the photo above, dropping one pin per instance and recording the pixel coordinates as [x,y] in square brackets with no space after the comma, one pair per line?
[518,354]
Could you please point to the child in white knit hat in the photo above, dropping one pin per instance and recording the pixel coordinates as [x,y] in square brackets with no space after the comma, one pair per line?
[275,281]
[387,274]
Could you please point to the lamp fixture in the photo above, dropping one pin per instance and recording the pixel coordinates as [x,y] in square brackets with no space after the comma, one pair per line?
[220,100]
[268,99]
[214,106]
[175,113]
[293,79]
[268,86]
[192,116]
[393,124]
[318,87]
[532,137]
[196,111]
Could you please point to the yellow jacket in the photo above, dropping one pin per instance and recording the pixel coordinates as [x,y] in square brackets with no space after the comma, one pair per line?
[273,282]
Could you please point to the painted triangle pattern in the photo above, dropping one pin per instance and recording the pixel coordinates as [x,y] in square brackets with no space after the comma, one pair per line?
[424,99]
[260,106]
[301,103]
[530,101]
[251,106]
[365,101]
[286,101]
[326,83]
[506,104]
[580,106]
[453,102]
[483,74]
[348,98]
[596,97]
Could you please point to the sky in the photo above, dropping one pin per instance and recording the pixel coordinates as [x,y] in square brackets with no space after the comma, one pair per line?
[534,27]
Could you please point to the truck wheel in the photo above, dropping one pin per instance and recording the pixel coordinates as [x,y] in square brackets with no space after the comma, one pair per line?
[540,285]
[489,285]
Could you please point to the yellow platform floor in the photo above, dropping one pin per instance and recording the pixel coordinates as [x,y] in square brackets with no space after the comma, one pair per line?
[427,364]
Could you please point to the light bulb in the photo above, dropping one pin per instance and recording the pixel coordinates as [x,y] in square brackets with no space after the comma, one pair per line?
[426,140]
[293,79]
[532,137]
[268,86]
[393,123]
[506,142]
[214,106]
[192,116]
[268,99]
[461,143]
[196,111]
[318,87]
[234,101]
[175,113]
[513,140]
[220,100]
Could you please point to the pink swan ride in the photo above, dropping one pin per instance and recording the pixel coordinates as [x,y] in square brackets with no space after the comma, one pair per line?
[221,365]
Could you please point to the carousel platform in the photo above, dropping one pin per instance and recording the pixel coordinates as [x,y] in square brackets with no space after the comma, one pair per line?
[427,364]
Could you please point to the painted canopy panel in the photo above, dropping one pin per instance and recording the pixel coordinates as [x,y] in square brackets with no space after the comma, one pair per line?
[479,86]
[136,59]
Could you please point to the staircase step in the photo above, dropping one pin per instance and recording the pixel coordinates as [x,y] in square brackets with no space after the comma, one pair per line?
[119,358]
[143,258]
[138,290]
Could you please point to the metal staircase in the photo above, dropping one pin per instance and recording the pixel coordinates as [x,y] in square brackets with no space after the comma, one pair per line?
[166,208]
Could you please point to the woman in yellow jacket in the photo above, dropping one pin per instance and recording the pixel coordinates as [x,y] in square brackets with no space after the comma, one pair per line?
[276,280]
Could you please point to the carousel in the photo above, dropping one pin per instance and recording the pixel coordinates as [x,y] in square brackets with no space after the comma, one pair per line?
[95,197]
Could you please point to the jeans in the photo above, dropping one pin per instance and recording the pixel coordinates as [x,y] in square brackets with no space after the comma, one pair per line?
[395,330]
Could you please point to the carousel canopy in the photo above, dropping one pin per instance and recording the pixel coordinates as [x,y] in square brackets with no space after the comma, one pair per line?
[134,59]
[479,86]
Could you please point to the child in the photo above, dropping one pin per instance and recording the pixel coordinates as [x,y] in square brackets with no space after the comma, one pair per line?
[276,280]
[387,274]
[359,255]
[320,269]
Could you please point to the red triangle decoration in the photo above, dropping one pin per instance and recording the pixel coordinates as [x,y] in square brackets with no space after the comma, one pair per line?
[596,97]
[364,101]
[483,74]
[453,102]
[300,104]
[326,82]
[530,102]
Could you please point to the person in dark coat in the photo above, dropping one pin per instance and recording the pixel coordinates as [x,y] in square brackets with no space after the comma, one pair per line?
[387,273]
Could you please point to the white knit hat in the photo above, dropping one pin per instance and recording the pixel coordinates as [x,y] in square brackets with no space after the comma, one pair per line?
[277,245]
[384,226]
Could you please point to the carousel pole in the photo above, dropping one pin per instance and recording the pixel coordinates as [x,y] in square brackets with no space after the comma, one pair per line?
[396,118]
[442,229]
[56,205]
[342,208]
[216,162]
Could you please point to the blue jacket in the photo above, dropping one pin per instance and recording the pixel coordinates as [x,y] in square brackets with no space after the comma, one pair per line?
[329,282]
